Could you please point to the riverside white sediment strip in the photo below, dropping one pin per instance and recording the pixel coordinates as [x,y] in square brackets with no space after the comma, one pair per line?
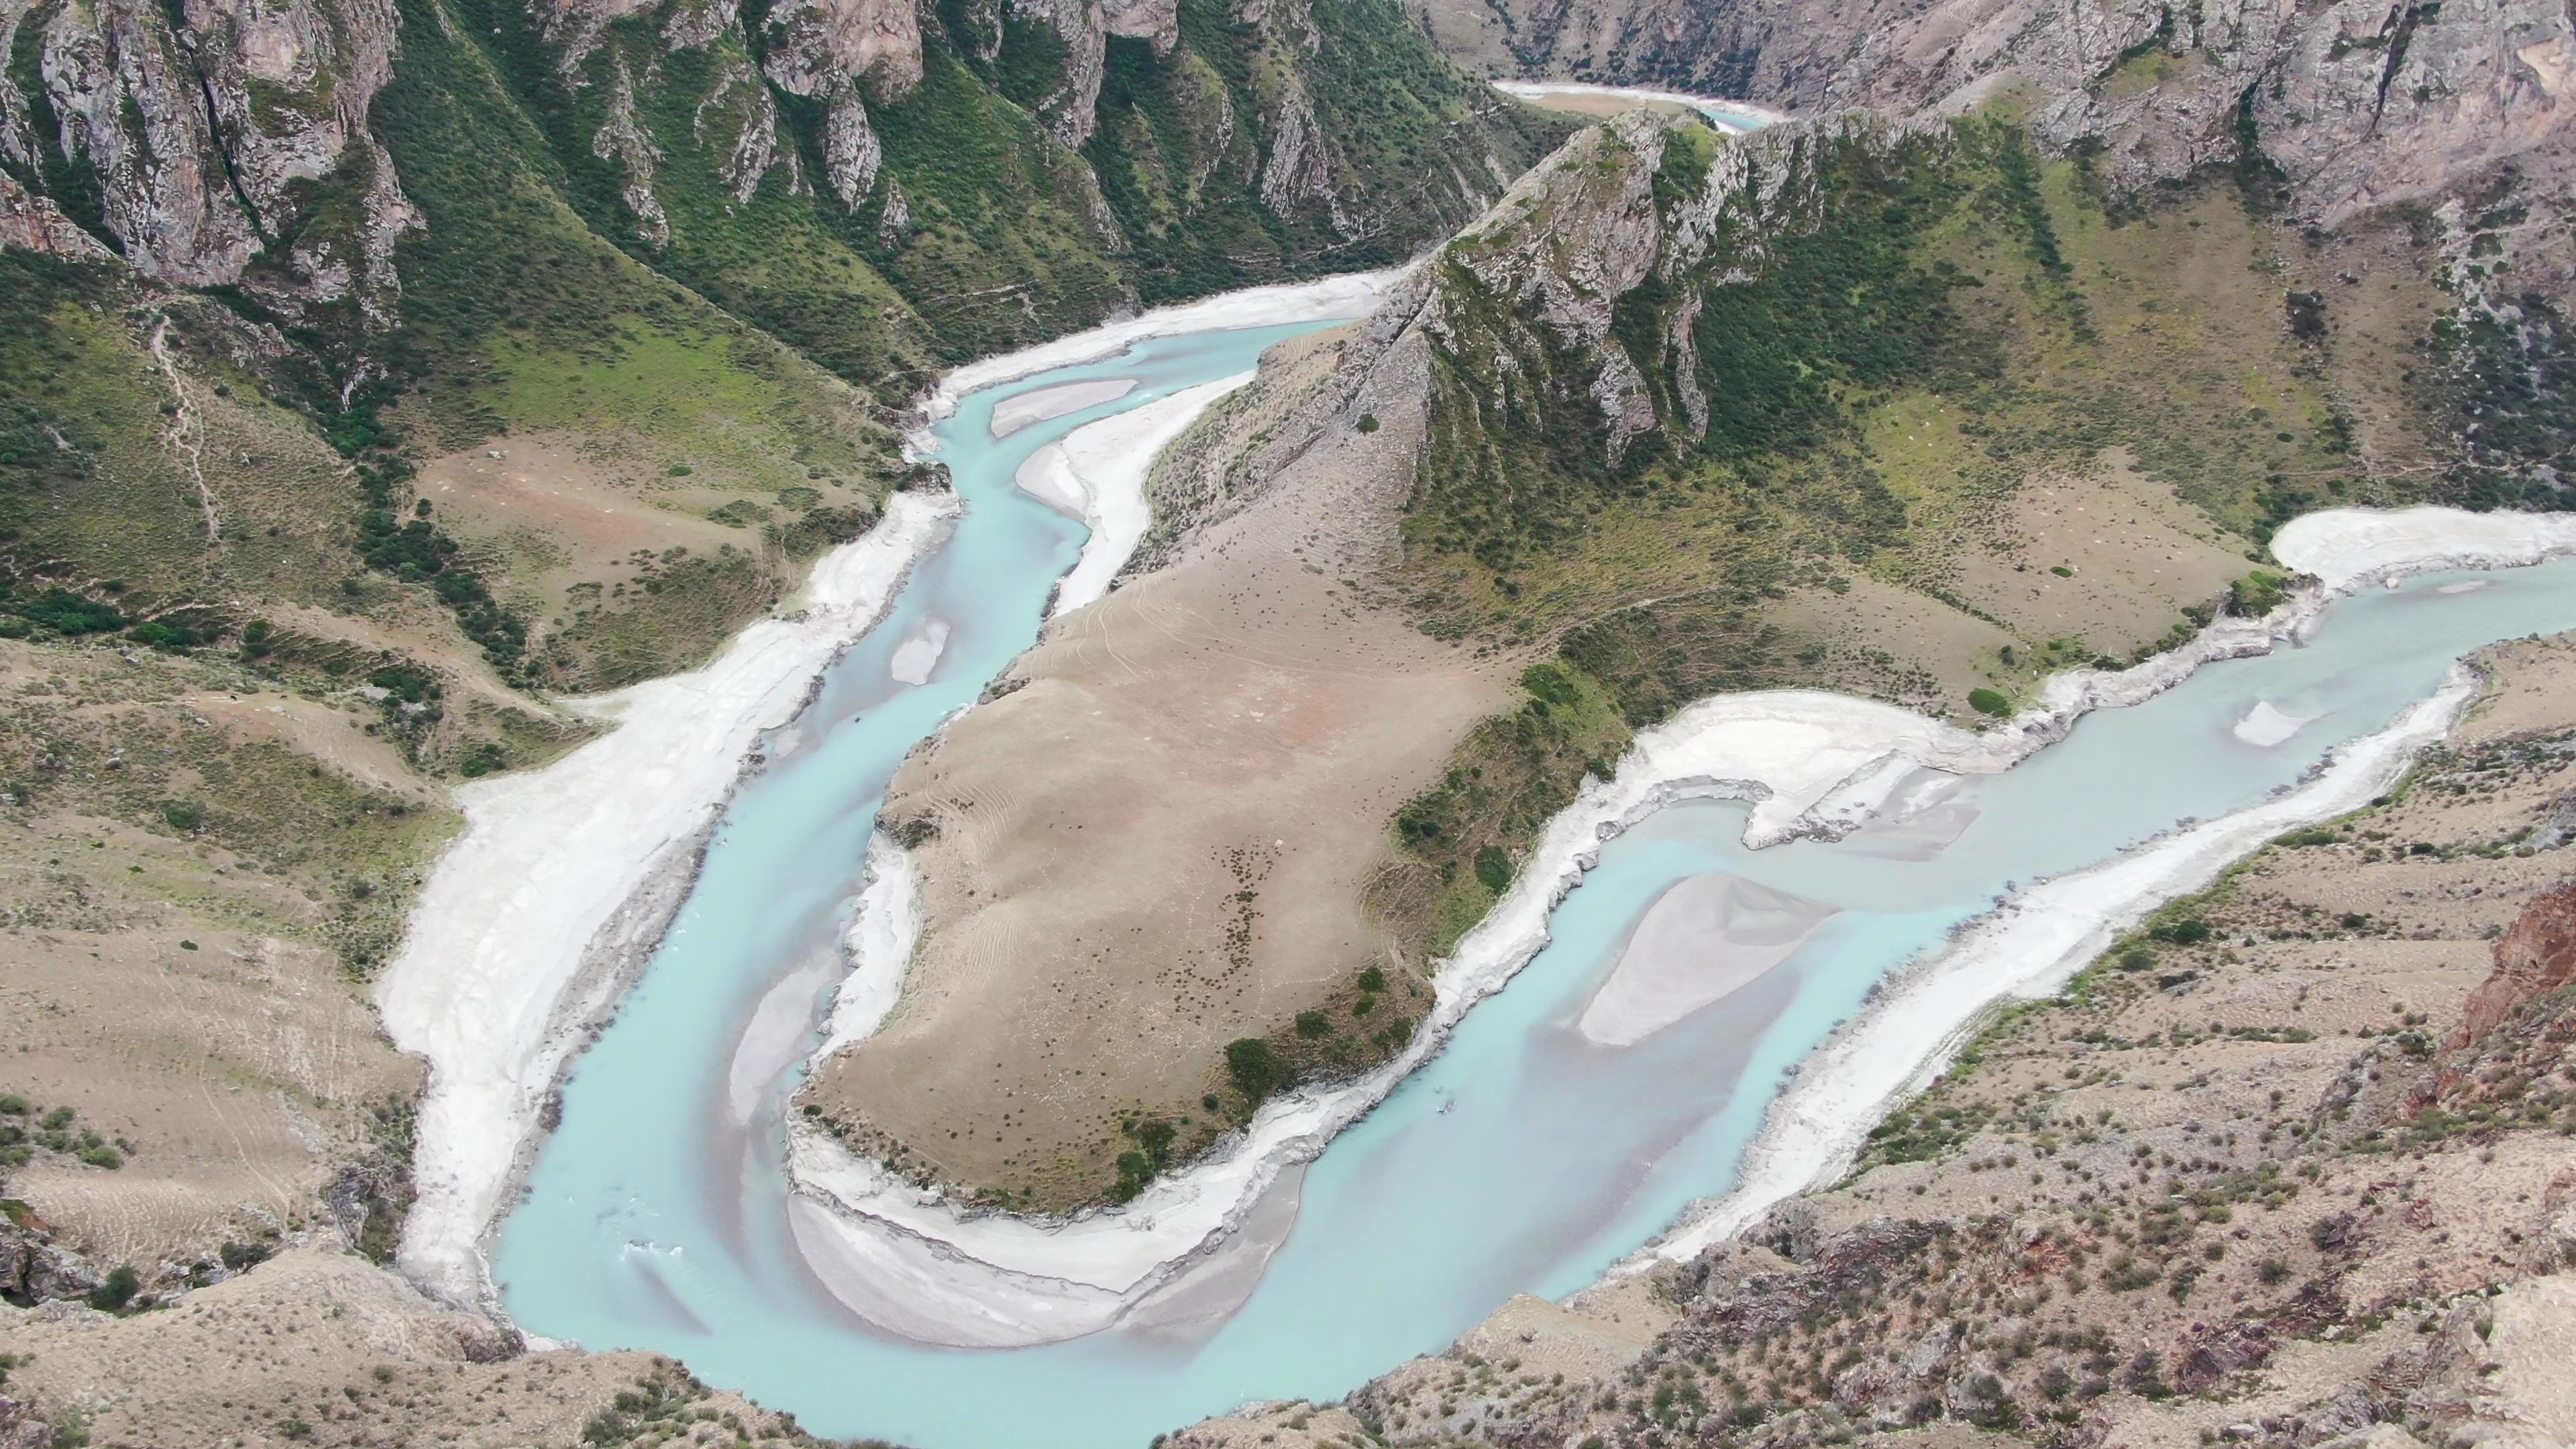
[498,975]
[1354,295]
[1811,764]
[2044,934]
[1733,115]
[1099,469]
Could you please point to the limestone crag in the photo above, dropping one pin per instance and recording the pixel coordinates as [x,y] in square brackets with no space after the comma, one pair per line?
[212,135]
[816,45]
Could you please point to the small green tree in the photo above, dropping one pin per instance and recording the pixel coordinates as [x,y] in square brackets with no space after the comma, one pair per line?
[1256,1069]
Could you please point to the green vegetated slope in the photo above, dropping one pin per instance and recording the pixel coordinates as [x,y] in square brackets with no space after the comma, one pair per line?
[1892,333]
[984,228]
[625,238]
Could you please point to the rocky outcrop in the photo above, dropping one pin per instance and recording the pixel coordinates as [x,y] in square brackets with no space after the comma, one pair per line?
[624,142]
[2536,956]
[851,153]
[817,45]
[33,223]
[203,136]
[2359,103]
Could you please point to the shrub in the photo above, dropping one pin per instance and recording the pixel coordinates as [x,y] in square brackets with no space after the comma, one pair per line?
[2254,595]
[1313,1024]
[115,1290]
[1368,422]
[1494,869]
[2273,1272]
[1551,683]
[182,815]
[1372,979]
[1256,1069]
[69,613]
[2190,931]
[1987,701]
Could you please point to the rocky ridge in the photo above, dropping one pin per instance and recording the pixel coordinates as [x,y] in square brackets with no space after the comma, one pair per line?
[2358,103]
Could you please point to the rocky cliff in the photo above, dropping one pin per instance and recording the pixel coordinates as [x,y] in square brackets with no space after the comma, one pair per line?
[216,143]
[2358,103]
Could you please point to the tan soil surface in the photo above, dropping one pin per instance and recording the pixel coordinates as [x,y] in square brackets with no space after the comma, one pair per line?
[559,510]
[1155,845]
[2139,556]
[318,1348]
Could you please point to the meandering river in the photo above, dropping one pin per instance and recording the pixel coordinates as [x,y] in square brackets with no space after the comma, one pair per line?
[1527,1157]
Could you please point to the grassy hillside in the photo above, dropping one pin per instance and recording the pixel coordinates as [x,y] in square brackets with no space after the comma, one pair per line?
[1896,342]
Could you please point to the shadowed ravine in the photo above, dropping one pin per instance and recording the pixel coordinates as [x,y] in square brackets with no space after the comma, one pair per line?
[1524,1158]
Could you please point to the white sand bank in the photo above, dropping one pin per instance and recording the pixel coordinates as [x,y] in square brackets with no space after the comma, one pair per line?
[1100,468]
[1014,413]
[1354,295]
[1812,764]
[531,919]
[2347,547]
[1702,941]
[2267,724]
[2028,949]
[919,653]
[2044,934]
[1730,114]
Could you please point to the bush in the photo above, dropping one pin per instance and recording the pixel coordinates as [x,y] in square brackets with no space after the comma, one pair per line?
[1987,701]
[66,612]
[1494,869]
[116,1290]
[2190,931]
[1551,683]
[1313,1024]
[1256,1069]
[182,815]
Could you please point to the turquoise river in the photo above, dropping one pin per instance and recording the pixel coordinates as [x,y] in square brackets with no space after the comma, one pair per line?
[1522,1158]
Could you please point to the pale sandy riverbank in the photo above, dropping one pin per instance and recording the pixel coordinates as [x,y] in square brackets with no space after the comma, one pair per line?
[1716,108]
[531,920]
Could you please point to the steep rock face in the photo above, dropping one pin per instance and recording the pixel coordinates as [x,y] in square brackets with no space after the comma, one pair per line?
[2536,956]
[816,45]
[198,138]
[2358,102]
[34,224]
